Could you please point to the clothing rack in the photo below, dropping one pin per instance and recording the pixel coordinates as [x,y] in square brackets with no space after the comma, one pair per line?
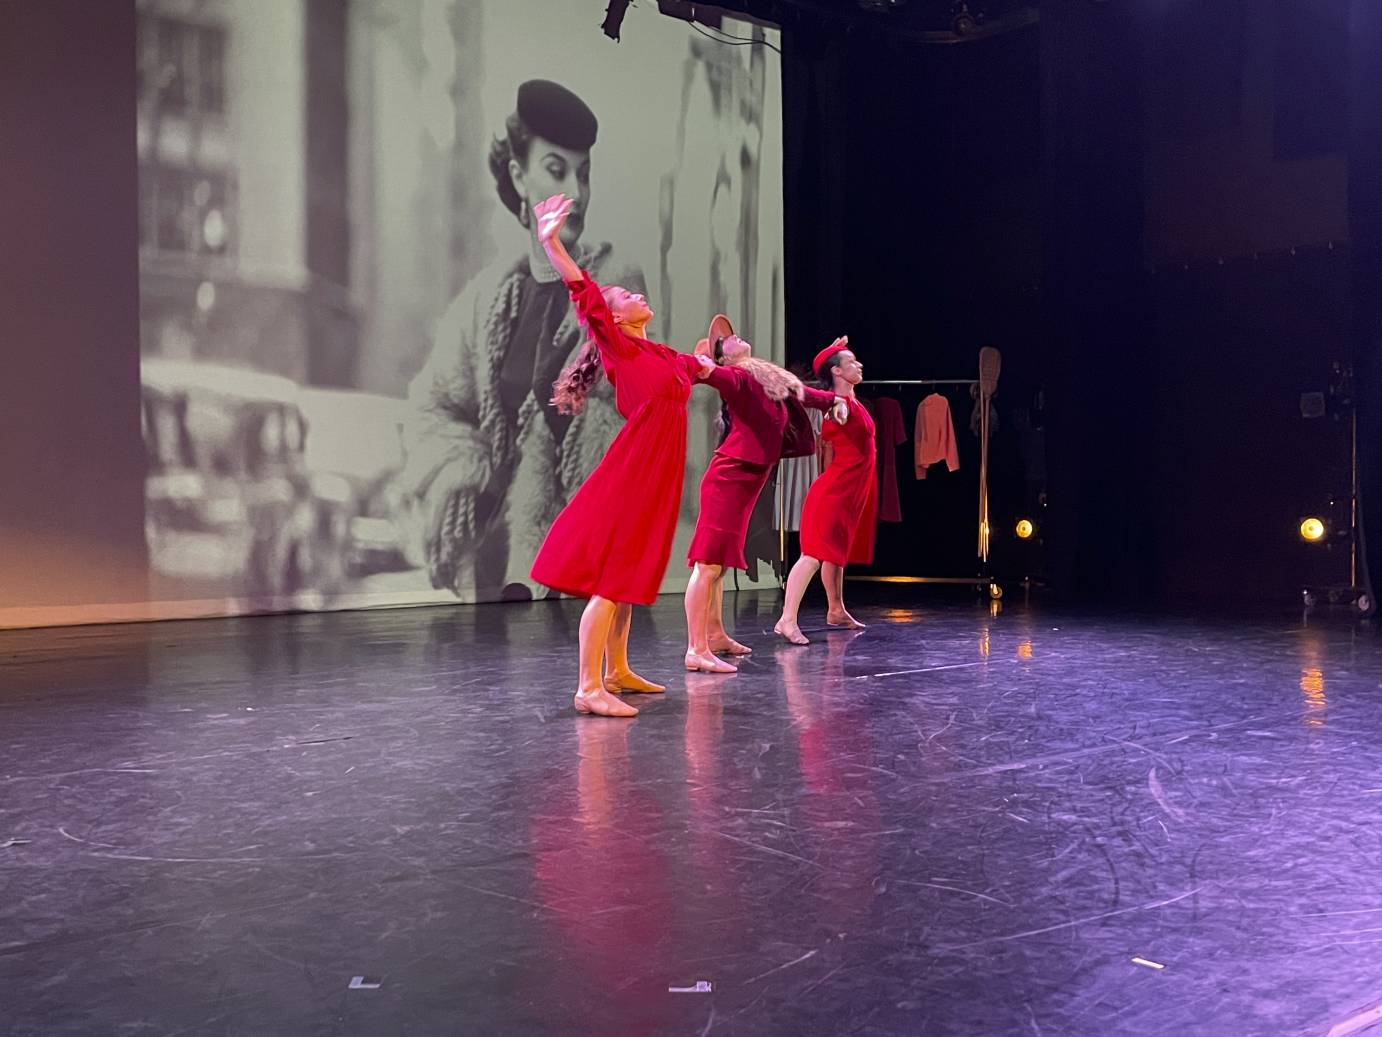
[920,381]
[982,580]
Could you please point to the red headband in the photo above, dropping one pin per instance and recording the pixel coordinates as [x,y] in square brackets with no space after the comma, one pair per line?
[824,355]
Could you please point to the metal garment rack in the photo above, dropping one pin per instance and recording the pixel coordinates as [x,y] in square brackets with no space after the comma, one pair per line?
[964,581]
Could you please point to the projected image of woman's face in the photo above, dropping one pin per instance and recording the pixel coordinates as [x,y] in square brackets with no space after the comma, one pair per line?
[552,169]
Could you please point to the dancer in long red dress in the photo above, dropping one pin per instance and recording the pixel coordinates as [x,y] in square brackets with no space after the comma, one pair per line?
[765,405]
[612,541]
[840,511]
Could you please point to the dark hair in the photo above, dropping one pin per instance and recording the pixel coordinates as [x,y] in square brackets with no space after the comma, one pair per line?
[723,422]
[573,385]
[826,379]
[516,143]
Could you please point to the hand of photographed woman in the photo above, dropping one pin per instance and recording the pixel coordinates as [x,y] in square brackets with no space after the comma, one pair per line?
[840,412]
[551,216]
[707,365]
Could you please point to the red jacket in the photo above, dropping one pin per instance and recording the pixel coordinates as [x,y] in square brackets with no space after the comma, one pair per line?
[757,423]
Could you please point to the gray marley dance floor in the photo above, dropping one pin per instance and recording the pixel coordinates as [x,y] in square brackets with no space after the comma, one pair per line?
[954,822]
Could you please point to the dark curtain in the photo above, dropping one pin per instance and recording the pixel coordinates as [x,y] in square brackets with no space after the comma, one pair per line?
[1094,307]
[1365,230]
[912,201]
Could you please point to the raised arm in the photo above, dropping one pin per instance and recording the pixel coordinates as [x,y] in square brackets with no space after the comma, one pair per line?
[721,379]
[551,216]
[818,399]
[586,295]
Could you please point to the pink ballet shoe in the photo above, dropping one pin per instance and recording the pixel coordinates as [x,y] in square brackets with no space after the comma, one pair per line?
[707,663]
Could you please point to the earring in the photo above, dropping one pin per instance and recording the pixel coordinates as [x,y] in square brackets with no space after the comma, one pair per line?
[524,216]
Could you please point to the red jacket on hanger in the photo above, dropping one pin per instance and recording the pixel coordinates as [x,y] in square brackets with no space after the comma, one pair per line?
[935,435]
[892,433]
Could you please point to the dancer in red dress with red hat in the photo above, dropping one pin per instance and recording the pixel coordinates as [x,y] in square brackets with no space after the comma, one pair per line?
[841,507]
[611,543]
[767,420]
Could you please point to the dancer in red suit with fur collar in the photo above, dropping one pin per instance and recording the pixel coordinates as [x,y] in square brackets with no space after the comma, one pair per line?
[765,406]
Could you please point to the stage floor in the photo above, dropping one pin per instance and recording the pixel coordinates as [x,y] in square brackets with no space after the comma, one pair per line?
[951,823]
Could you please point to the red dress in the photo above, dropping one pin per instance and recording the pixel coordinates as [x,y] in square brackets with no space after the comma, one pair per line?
[614,538]
[739,468]
[841,508]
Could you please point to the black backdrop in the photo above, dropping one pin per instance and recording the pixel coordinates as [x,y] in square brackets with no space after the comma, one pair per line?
[913,202]
[1365,232]
[942,197]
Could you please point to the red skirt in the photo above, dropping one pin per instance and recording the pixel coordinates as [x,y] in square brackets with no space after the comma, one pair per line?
[729,491]
[614,539]
[839,516]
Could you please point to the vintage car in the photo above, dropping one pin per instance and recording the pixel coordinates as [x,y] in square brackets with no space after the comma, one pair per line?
[229,508]
[354,451]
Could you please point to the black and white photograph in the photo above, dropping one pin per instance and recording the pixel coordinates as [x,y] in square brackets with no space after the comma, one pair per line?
[349,332]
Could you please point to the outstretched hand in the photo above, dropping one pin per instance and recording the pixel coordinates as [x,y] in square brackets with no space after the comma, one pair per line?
[706,364]
[840,412]
[551,216]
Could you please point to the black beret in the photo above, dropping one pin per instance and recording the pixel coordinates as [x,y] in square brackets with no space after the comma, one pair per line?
[555,113]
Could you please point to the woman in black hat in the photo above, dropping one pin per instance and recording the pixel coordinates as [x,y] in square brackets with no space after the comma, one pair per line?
[489,464]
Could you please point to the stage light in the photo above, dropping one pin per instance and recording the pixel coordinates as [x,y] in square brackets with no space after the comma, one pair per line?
[1025,529]
[684,10]
[1312,530]
[614,18]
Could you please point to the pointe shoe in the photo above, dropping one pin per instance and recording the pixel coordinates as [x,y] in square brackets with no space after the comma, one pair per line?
[791,632]
[618,683]
[601,703]
[848,621]
[707,663]
[729,646]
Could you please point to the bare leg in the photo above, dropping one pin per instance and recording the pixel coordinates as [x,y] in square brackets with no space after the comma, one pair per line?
[591,696]
[619,675]
[797,581]
[833,576]
[720,641]
[700,597]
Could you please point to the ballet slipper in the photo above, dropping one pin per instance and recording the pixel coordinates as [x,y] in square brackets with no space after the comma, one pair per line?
[618,683]
[791,632]
[842,619]
[601,703]
[726,644]
[704,662]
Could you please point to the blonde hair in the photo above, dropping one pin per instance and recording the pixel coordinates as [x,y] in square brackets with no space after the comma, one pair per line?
[777,382]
